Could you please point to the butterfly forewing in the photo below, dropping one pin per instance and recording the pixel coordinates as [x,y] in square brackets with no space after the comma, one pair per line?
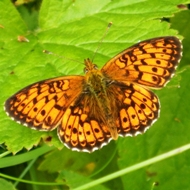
[150,63]
[41,105]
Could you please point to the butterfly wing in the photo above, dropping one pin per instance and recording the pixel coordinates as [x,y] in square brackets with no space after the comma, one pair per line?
[41,105]
[150,63]
[83,125]
[134,108]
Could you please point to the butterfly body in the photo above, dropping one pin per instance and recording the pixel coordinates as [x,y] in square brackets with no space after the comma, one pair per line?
[97,85]
[89,111]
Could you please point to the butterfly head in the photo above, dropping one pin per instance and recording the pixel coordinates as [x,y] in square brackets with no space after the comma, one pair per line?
[93,76]
[89,66]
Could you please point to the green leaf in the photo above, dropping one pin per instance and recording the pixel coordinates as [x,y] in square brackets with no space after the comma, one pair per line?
[73,29]
[74,180]
[5,185]
[88,164]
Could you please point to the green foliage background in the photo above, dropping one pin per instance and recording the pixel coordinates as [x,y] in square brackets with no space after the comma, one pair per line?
[73,28]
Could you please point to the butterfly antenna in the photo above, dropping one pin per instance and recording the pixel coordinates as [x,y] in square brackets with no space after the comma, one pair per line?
[63,57]
[101,40]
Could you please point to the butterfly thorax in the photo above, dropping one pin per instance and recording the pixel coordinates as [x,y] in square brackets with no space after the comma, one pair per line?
[96,85]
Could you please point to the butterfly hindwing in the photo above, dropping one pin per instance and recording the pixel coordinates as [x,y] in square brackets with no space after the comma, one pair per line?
[134,107]
[83,127]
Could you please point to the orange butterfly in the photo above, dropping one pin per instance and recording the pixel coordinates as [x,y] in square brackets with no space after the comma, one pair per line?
[89,111]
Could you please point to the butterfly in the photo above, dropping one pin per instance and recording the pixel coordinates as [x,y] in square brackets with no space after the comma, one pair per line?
[89,111]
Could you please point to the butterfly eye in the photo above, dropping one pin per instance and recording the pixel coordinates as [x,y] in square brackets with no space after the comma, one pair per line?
[95,66]
[86,70]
